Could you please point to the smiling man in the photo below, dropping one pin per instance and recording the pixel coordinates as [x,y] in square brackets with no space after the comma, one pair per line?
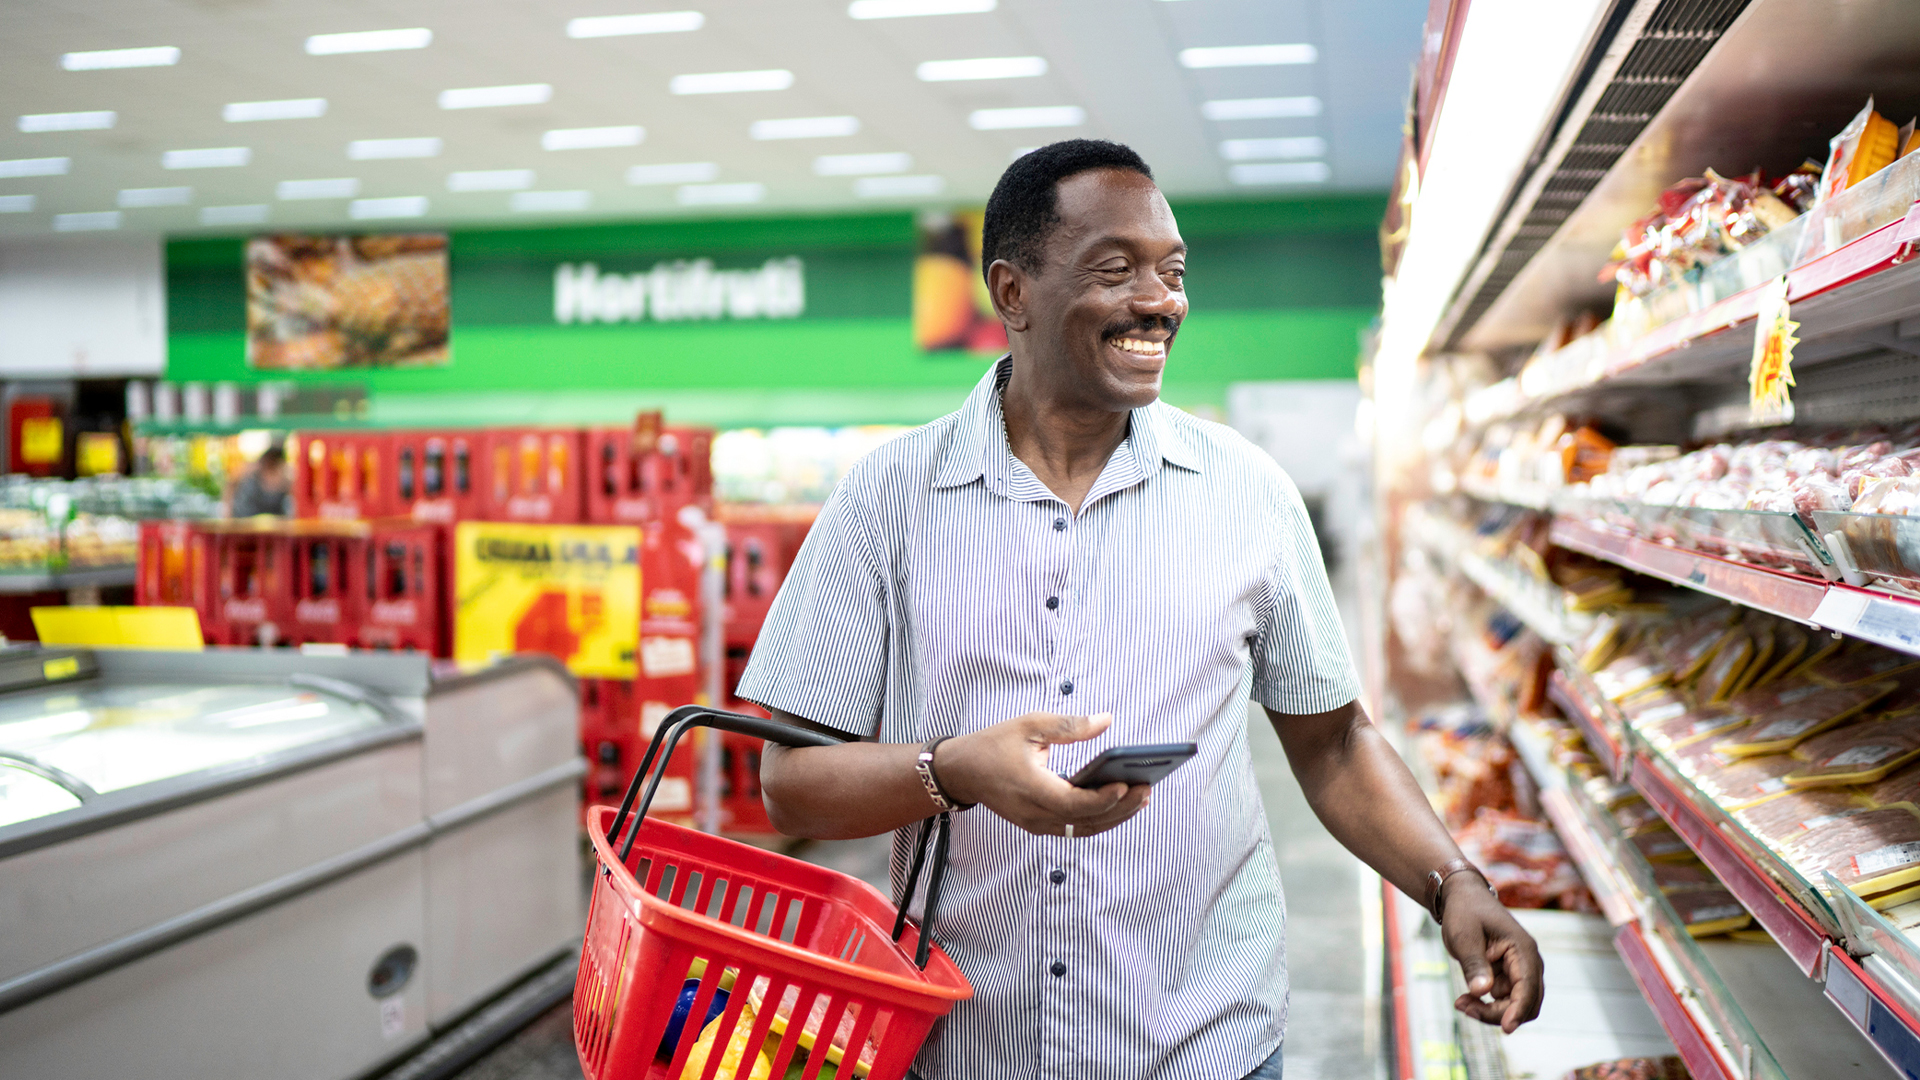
[1065,565]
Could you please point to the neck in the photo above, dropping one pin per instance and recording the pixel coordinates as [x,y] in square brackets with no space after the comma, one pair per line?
[1066,442]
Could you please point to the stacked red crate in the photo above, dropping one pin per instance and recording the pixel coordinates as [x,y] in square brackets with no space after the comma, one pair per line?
[647,472]
[250,598]
[172,567]
[326,606]
[533,474]
[342,474]
[406,589]
[438,476]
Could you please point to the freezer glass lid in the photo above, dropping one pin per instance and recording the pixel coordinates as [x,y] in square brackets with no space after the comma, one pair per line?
[97,739]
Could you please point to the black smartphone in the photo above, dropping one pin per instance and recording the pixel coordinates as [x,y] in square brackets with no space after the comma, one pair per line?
[1143,764]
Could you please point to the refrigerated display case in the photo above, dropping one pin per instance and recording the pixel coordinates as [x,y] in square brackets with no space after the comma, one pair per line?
[259,863]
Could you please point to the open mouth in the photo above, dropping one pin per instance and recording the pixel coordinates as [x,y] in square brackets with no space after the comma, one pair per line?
[1141,347]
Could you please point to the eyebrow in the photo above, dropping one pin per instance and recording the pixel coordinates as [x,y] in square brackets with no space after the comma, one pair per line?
[1121,241]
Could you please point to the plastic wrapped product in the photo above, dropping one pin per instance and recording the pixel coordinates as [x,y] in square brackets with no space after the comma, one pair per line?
[1866,145]
[1789,648]
[1660,1068]
[1780,821]
[1637,817]
[1720,678]
[1902,786]
[1871,852]
[1661,845]
[1860,753]
[1862,664]
[1782,729]
[1630,674]
[1681,876]
[1706,912]
[1697,646]
[1738,783]
[1821,647]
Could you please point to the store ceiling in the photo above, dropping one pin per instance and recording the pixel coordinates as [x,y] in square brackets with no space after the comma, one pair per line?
[597,131]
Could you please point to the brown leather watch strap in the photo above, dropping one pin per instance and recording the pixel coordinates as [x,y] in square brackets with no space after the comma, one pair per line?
[1437,880]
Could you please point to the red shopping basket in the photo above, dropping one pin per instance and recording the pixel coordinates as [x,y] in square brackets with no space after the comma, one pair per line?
[708,959]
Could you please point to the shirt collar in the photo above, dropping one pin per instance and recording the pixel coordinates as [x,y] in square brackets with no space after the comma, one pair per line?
[978,448]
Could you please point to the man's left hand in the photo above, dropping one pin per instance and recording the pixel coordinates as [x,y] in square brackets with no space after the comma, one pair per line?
[1499,958]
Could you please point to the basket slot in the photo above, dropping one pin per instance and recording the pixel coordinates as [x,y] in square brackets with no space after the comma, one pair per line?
[790,933]
[742,903]
[850,952]
[714,899]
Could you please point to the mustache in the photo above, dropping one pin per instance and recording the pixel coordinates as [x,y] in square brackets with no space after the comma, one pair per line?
[1146,324]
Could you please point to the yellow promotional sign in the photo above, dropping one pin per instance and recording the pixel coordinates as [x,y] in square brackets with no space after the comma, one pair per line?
[170,628]
[570,591]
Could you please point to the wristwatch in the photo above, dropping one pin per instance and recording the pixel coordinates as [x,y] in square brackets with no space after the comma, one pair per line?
[1437,878]
[923,765]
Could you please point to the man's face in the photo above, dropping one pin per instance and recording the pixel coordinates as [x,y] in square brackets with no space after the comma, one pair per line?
[273,476]
[1104,309]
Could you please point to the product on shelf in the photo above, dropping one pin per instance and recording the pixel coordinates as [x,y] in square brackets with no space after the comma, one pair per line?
[1696,223]
[1871,852]
[1870,142]
[1858,753]
[1661,1068]
[1708,911]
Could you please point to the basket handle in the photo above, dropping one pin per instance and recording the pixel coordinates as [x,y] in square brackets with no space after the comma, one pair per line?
[680,720]
[676,724]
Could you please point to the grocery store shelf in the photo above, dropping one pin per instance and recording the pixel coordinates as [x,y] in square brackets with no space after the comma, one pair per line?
[1869,282]
[107,577]
[1882,618]
[1539,604]
[1691,1043]
[1583,705]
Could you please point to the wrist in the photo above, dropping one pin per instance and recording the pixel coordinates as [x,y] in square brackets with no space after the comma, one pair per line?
[953,770]
[1445,885]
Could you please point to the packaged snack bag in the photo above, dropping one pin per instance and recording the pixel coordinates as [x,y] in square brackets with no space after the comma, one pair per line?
[1866,145]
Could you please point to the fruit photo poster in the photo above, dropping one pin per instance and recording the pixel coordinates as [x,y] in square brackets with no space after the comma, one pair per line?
[323,302]
[951,309]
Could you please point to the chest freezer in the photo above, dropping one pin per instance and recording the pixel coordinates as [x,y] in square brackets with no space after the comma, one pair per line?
[246,863]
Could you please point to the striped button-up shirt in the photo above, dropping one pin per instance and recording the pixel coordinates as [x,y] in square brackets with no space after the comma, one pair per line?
[944,589]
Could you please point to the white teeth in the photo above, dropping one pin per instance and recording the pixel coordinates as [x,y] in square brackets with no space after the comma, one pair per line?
[1140,347]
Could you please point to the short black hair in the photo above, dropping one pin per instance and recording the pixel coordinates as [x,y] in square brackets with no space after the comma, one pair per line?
[273,456]
[1025,204]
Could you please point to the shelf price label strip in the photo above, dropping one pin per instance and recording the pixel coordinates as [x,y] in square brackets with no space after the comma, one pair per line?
[1804,940]
[1861,613]
[1785,595]
[1701,1059]
[1883,1022]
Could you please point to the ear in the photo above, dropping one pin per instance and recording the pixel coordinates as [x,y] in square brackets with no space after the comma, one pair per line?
[1009,286]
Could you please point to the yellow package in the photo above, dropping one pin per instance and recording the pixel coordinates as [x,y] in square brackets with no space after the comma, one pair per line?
[1601,643]
[1763,633]
[1862,753]
[1789,648]
[1783,729]
[1873,852]
[1696,646]
[1820,646]
[1720,679]
[1629,675]
[1866,145]
[1862,664]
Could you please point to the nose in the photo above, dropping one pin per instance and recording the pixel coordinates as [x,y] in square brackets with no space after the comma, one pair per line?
[1154,298]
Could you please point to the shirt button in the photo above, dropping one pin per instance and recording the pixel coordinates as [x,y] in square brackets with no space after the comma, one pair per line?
[1052,602]
[1058,969]
[1057,876]
[1066,687]
[1059,524]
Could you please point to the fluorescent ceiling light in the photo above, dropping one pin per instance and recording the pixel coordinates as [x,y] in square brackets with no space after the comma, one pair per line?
[1248,56]
[898,9]
[987,67]
[1043,116]
[153,56]
[685,172]
[418,37]
[487,97]
[893,187]
[340,187]
[721,194]
[35,166]
[241,112]
[658,22]
[131,198]
[861,164]
[249,214]
[1260,108]
[92,222]
[401,206]
[731,82]
[592,138]
[550,201]
[1304,146]
[99,120]
[805,127]
[490,180]
[16,204]
[382,149]
[218,157]
[1280,172]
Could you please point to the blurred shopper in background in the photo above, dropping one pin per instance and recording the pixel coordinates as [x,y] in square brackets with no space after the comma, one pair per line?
[266,488]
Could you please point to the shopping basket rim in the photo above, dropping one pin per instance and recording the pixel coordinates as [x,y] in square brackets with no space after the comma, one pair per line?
[942,979]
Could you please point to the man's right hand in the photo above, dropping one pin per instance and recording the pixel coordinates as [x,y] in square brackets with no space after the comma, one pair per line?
[1004,768]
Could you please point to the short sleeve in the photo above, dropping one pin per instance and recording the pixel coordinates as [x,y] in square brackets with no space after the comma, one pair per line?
[822,654]
[1301,663]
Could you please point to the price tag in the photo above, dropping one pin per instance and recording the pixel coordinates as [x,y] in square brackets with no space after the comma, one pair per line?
[1770,378]
[1891,623]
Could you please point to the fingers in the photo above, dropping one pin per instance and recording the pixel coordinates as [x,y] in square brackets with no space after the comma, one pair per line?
[1466,939]
[1132,801]
[1515,991]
